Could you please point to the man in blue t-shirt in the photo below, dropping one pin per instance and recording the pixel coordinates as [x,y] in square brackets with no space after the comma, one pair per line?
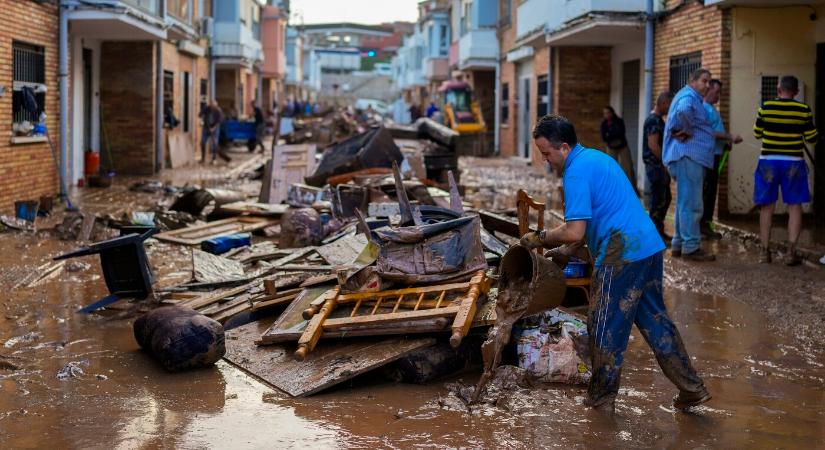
[601,206]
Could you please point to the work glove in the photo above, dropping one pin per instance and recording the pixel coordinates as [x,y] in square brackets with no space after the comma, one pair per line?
[558,256]
[533,239]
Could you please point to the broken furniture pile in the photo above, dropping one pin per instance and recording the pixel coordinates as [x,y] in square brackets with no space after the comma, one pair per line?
[365,257]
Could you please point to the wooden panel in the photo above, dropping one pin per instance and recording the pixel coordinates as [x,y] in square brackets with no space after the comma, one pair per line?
[289,164]
[199,233]
[327,366]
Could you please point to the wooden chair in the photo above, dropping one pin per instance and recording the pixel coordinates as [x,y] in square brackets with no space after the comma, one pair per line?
[524,202]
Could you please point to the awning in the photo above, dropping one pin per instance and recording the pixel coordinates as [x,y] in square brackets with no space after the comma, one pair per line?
[116,24]
[598,30]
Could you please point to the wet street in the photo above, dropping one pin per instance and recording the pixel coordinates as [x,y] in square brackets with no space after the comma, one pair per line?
[754,333]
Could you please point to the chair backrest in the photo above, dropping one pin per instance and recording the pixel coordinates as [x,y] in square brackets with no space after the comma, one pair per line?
[524,202]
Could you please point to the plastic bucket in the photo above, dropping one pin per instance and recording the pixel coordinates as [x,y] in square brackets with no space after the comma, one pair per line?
[91,163]
[26,209]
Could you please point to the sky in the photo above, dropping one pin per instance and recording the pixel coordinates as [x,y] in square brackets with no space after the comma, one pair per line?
[358,11]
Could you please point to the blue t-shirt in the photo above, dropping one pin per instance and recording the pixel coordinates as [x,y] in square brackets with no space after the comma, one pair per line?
[597,190]
[715,121]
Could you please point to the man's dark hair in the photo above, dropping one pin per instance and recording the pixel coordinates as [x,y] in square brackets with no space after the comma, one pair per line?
[664,97]
[556,129]
[696,74]
[716,82]
[789,83]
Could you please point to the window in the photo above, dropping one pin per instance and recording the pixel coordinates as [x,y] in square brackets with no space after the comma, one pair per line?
[505,103]
[443,39]
[204,95]
[186,80]
[28,71]
[543,97]
[179,9]
[681,67]
[769,84]
[506,12]
[168,93]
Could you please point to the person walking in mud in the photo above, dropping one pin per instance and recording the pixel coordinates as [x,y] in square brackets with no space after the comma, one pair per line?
[783,125]
[601,207]
[688,153]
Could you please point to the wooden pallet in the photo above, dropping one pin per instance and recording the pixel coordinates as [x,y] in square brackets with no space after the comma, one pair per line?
[199,233]
[419,304]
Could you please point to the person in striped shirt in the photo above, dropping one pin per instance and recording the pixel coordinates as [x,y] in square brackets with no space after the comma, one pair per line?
[783,125]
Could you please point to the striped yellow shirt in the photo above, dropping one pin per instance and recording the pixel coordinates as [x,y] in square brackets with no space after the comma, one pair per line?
[784,125]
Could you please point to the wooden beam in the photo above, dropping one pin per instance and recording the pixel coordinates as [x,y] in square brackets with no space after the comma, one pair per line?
[335,324]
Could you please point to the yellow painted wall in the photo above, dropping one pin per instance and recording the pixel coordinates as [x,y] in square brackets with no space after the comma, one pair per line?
[765,41]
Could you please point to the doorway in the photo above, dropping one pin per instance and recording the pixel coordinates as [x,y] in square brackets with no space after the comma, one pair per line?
[87,99]
[630,108]
[524,117]
[819,149]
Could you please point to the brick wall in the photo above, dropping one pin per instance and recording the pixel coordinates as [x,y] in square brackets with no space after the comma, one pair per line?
[541,66]
[508,135]
[27,170]
[689,29]
[127,102]
[582,88]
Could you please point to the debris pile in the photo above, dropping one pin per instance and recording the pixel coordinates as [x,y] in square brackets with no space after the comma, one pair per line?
[358,252]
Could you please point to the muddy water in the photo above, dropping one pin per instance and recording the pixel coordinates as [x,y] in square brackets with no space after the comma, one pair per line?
[767,389]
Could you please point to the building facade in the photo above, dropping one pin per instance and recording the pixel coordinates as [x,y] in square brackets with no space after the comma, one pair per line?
[237,54]
[29,58]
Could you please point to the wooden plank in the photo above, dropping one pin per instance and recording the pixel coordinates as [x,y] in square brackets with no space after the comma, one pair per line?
[256,209]
[327,366]
[196,234]
[208,299]
[275,301]
[405,291]
[334,324]
[498,223]
[312,333]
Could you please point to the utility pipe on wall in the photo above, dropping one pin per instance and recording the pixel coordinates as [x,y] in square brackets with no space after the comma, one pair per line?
[159,108]
[212,54]
[63,77]
[647,102]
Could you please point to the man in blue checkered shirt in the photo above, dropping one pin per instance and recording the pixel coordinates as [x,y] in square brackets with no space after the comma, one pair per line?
[688,151]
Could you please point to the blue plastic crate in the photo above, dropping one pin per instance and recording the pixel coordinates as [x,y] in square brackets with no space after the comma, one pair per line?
[575,269]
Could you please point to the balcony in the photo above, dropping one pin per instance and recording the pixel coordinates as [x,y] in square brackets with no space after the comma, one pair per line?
[235,44]
[118,20]
[595,22]
[478,49]
[436,68]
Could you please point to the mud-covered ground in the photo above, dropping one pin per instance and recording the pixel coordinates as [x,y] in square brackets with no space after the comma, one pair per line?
[68,380]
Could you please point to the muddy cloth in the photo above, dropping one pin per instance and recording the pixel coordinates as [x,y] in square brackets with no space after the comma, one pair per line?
[431,253]
[624,295]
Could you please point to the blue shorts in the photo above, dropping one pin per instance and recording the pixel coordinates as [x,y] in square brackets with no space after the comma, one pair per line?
[772,173]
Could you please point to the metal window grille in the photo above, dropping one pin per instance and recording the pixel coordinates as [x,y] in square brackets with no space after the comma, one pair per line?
[681,66]
[543,106]
[28,69]
[505,102]
[769,84]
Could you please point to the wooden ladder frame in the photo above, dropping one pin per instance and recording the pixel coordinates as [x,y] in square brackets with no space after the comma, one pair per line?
[419,307]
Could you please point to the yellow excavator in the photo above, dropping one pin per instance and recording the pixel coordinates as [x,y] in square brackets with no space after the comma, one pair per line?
[461,110]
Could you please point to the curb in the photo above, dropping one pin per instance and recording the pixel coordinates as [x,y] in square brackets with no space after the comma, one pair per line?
[808,255]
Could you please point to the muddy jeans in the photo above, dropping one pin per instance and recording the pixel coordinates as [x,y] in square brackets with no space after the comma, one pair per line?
[623,295]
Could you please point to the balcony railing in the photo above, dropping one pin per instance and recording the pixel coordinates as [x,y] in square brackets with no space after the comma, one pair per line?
[478,45]
[180,9]
[149,6]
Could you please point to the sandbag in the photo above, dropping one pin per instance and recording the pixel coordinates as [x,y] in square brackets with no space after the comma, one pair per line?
[180,338]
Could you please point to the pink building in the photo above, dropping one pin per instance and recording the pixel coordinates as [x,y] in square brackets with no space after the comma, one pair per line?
[273,68]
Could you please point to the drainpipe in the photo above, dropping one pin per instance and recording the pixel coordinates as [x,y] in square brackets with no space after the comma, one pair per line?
[647,102]
[497,106]
[63,76]
[159,108]
[212,54]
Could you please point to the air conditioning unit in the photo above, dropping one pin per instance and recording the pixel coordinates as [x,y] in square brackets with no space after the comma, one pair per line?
[207,26]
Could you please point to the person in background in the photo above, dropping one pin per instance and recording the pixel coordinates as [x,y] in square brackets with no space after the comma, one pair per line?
[613,135]
[432,109]
[260,127]
[688,152]
[657,175]
[783,125]
[213,117]
[415,112]
[723,139]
